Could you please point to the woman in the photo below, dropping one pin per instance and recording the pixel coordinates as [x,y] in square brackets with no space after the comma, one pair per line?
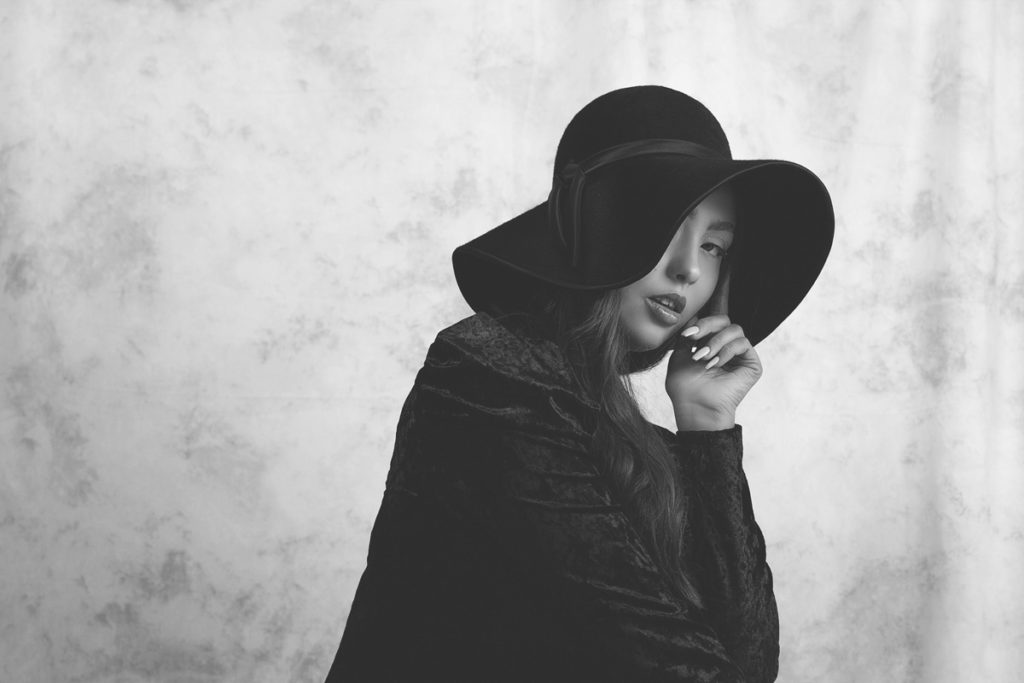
[535,527]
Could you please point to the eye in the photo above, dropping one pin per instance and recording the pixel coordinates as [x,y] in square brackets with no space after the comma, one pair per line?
[718,251]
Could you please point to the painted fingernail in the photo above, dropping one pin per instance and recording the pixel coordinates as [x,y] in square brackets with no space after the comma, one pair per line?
[690,331]
[713,361]
[700,354]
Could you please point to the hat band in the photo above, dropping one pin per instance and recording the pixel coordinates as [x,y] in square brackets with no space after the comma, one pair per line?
[572,176]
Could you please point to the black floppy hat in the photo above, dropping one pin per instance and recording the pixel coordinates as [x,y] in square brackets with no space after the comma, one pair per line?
[630,166]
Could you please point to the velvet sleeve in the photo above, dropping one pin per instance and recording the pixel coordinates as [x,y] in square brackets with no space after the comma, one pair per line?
[509,457]
[725,549]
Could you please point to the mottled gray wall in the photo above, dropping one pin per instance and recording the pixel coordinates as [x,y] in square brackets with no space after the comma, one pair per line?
[225,237]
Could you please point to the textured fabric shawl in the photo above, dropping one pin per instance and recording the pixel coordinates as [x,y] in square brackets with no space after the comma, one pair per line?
[500,554]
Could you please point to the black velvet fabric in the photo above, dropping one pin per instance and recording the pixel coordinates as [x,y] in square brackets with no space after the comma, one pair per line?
[500,554]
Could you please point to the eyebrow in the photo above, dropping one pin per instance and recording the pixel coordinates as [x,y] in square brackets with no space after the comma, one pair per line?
[723,226]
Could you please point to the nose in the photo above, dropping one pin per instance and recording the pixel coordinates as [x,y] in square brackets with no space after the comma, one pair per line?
[685,265]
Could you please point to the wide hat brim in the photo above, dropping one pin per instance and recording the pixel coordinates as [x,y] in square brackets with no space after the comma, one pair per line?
[631,211]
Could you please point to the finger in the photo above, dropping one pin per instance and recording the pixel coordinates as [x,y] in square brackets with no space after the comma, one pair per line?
[718,304]
[713,346]
[705,326]
[729,351]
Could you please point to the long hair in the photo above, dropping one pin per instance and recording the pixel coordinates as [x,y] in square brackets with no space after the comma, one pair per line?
[640,467]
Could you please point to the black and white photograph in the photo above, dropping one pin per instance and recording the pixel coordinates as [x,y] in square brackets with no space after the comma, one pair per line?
[511,341]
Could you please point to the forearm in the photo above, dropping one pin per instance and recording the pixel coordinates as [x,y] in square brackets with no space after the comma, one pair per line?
[728,550]
[694,419]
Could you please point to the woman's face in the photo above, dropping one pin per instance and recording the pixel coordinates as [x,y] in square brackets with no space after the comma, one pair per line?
[688,269]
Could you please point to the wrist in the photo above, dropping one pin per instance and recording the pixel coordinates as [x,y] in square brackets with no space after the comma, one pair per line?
[694,418]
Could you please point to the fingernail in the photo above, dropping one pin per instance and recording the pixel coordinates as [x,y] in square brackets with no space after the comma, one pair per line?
[690,331]
[700,354]
[713,361]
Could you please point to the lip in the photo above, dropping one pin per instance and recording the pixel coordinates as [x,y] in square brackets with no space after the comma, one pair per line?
[666,315]
[678,299]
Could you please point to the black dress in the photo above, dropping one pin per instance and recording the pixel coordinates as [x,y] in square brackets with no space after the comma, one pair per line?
[500,554]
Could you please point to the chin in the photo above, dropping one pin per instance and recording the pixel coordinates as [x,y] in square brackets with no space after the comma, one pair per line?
[650,338]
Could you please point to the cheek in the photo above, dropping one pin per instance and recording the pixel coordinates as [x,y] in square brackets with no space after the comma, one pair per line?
[705,295]
[627,312]
[630,299]
[631,310]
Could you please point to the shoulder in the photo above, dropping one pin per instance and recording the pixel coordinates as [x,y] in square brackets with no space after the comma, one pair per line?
[485,367]
[509,345]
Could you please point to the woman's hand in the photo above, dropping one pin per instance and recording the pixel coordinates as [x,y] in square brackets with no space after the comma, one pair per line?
[707,398]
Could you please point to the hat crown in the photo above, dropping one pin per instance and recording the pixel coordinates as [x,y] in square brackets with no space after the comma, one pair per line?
[637,113]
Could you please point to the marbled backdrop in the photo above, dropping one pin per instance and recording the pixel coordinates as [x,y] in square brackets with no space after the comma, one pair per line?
[225,238]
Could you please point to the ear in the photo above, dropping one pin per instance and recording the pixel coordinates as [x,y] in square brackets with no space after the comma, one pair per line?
[718,304]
